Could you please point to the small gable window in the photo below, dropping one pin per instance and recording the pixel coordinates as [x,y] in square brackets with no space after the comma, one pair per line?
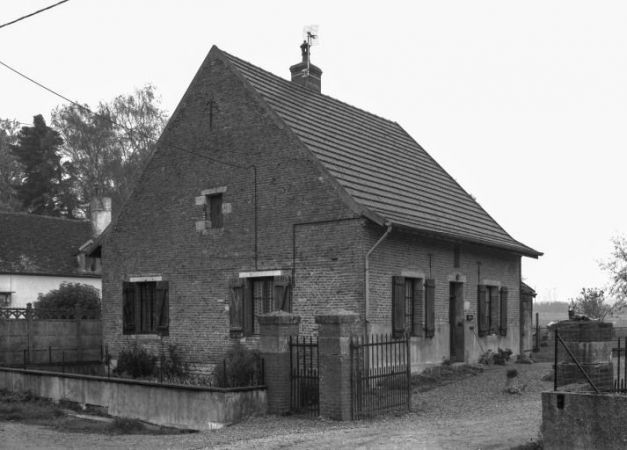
[145,308]
[211,201]
[213,210]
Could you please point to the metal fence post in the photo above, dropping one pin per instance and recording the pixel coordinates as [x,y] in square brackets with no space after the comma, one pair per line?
[555,361]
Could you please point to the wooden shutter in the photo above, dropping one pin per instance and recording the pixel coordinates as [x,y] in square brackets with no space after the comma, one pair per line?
[398,306]
[429,307]
[494,309]
[482,305]
[283,293]
[504,294]
[162,308]
[236,304]
[418,308]
[128,308]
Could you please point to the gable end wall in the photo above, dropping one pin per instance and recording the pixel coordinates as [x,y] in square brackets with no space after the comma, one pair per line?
[155,235]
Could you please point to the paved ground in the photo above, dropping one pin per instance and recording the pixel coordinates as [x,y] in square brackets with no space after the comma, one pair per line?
[471,414]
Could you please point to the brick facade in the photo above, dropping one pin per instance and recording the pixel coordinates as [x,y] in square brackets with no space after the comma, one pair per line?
[406,253]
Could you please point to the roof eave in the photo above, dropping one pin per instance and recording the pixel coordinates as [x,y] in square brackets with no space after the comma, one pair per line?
[519,249]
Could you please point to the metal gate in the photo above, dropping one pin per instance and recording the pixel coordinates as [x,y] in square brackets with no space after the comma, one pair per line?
[380,376]
[304,384]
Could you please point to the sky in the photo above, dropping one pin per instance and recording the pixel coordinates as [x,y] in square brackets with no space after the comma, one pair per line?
[523,103]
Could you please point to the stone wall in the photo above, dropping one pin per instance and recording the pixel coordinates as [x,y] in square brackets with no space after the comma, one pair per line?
[187,407]
[580,421]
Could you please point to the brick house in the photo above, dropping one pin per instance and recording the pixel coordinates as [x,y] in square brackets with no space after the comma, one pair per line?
[265,194]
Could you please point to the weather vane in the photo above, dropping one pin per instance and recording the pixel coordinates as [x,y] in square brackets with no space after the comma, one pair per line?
[311,38]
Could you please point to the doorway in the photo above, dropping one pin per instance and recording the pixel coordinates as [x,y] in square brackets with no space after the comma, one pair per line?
[456,321]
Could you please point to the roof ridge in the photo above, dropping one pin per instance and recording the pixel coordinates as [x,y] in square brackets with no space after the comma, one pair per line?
[43,216]
[292,85]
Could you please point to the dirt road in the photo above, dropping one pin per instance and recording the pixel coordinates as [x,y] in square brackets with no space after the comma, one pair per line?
[470,414]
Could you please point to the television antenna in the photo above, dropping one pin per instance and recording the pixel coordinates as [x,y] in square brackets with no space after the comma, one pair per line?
[311,38]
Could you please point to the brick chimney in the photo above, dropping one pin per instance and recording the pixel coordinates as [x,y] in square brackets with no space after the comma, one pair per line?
[100,211]
[304,73]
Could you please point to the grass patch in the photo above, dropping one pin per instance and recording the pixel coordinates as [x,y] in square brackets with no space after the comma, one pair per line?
[443,374]
[25,407]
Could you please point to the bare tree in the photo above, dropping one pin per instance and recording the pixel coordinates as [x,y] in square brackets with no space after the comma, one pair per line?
[592,303]
[109,149]
[617,267]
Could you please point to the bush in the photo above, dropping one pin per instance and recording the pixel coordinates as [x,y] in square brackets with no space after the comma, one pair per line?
[136,362]
[173,367]
[241,367]
[67,296]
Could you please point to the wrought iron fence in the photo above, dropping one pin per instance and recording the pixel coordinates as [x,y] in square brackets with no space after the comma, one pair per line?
[380,376]
[51,358]
[304,375]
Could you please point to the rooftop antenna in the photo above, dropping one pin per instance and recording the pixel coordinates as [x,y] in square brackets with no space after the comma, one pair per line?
[311,37]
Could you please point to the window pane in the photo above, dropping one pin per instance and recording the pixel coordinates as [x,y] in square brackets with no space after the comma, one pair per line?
[263,299]
[146,301]
[409,304]
[216,211]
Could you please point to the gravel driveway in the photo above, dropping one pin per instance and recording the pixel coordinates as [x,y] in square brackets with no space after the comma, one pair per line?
[470,414]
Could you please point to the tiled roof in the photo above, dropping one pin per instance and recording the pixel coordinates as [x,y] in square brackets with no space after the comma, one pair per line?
[378,163]
[33,244]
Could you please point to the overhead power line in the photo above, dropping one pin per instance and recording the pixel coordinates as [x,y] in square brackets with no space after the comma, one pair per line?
[32,14]
[108,119]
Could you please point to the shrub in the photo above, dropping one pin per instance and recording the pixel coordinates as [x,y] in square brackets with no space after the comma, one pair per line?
[67,296]
[136,362]
[173,367]
[241,367]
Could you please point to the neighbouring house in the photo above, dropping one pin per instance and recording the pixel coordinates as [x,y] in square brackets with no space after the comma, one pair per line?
[265,194]
[38,253]
[527,294]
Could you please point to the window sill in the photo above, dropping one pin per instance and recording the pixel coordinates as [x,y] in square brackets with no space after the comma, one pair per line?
[146,336]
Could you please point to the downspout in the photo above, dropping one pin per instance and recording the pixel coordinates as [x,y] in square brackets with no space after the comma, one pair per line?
[367,283]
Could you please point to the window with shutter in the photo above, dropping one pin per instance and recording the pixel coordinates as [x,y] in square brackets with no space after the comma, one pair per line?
[145,307]
[429,308]
[483,310]
[503,321]
[398,306]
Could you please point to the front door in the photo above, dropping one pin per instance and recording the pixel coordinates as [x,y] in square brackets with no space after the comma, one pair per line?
[456,321]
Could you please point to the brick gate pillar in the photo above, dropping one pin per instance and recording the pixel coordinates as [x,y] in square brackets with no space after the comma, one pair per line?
[334,333]
[275,330]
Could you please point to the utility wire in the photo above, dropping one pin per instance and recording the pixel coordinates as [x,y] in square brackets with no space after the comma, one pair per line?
[32,14]
[108,119]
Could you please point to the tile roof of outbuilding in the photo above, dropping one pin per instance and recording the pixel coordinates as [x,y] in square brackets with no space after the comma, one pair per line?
[378,163]
[41,245]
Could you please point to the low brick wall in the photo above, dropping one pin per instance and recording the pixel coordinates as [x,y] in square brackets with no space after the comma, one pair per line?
[582,421]
[189,407]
